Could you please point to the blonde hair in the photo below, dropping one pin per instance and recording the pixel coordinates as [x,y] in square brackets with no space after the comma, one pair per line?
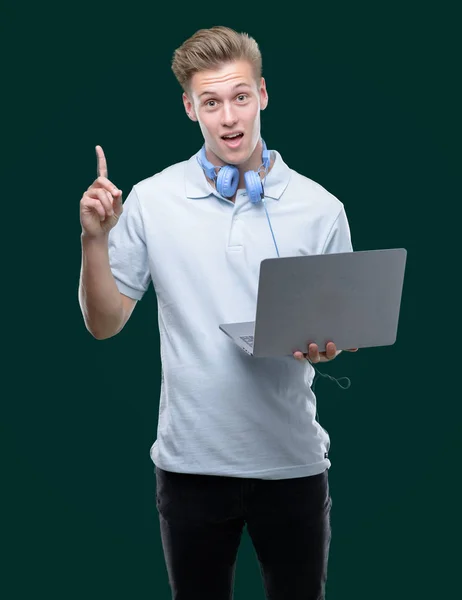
[210,48]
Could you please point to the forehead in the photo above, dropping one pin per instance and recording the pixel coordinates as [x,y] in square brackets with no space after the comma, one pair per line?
[223,78]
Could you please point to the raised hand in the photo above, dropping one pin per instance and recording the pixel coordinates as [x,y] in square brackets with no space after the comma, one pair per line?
[101,204]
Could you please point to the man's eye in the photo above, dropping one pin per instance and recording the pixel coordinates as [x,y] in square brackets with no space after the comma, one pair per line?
[244,96]
[208,102]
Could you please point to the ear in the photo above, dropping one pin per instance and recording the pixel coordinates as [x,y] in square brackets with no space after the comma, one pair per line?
[263,94]
[189,107]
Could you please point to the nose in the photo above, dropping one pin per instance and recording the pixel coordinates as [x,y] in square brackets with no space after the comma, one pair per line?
[228,116]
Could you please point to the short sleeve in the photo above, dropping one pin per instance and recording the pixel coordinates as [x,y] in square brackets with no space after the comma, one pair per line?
[128,257]
[339,238]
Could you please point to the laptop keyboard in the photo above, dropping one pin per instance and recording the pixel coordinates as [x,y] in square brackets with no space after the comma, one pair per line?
[248,339]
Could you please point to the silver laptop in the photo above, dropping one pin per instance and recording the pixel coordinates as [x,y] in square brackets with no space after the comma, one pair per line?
[352,299]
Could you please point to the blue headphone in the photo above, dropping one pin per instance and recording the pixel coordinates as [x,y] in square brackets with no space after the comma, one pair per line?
[227,178]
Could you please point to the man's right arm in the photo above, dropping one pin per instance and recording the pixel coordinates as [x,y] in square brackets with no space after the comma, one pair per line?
[105,310]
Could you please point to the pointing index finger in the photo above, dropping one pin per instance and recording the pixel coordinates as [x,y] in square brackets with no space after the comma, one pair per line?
[101,164]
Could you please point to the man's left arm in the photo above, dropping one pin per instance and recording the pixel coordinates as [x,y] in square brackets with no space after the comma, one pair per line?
[338,240]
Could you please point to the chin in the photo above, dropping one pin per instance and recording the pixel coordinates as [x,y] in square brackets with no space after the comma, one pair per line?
[237,157]
[230,156]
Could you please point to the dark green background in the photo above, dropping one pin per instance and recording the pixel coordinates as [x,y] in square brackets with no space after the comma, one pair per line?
[364,99]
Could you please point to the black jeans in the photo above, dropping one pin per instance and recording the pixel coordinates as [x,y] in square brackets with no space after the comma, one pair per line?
[201,522]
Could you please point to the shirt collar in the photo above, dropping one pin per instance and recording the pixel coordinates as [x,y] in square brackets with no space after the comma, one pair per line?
[197,185]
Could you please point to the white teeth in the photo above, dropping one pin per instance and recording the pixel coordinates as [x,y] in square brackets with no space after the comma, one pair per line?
[230,137]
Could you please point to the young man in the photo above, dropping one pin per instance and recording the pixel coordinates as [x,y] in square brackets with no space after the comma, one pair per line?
[237,442]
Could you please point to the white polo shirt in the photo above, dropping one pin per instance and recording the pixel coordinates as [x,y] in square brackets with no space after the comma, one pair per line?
[223,412]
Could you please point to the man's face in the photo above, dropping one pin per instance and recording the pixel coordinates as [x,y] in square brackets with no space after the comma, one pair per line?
[227,101]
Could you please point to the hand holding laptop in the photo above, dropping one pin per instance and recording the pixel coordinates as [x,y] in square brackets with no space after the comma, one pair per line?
[315,356]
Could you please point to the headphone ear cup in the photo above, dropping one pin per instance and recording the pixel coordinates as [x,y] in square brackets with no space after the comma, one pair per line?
[253,186]
[227,181]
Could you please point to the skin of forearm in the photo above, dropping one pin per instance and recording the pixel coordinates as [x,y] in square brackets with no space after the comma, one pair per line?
[99,298]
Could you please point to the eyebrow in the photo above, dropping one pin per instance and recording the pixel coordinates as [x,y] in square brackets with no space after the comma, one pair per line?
[238,85]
